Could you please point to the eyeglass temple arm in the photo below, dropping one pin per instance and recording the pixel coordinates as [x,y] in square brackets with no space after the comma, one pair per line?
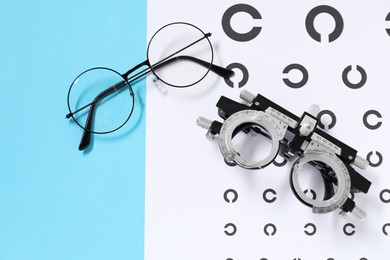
[86,137]
[220,71]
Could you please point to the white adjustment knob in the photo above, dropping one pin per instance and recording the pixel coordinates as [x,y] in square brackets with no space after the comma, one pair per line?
[359,213]
[360,162]
[247,96]
[306,129]
[204,122]
[314,110]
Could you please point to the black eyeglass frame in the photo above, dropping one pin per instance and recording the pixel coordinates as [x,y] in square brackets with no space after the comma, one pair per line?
[86,137]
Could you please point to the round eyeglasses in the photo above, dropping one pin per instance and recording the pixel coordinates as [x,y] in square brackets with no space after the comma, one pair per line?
[101,100]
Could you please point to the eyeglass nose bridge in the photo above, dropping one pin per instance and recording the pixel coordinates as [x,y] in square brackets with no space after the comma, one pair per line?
[141,73]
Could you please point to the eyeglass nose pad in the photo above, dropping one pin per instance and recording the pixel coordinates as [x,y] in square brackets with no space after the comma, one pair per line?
[158,85]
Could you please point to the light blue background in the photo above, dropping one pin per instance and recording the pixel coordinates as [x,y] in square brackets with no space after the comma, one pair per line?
[57,202]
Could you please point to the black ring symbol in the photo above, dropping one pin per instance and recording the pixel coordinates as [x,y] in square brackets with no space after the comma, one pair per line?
[302,69]
[380,159]
[313,227]
[245,75]
[382,197]
[365,121]
[331,114]
[280,164]
[312,192]
[388,19]
[230,233]
[272,226]
[329,10]
[265,195]
[226,196]
[384,228]
[227,27]
[349,83]
[346,231]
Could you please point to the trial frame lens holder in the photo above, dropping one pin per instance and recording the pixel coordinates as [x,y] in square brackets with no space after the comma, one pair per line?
[292,137]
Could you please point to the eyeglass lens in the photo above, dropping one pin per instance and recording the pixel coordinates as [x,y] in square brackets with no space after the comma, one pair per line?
[184,68]
[111,111]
